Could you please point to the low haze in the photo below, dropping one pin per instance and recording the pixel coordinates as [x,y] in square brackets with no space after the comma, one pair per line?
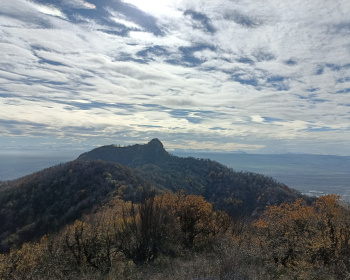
[253,76]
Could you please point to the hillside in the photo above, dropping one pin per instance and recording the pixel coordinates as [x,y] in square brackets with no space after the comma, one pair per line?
[235,192]
[45,201]
[304,172]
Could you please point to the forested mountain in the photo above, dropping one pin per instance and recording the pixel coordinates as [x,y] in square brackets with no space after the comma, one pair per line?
[138,212]
[235,192]
[45,201]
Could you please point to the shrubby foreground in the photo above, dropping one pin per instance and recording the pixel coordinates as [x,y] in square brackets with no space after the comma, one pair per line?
[178,236]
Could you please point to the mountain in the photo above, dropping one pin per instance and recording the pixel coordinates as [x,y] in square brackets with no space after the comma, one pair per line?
[132,156]
[239,193]
[46,201]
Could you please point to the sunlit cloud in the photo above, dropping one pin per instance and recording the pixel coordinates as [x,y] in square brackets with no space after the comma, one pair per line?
[156,7]
[79,4]
[49,10]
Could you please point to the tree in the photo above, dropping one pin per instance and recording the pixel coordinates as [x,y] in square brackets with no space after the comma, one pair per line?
[298,236]
[286,232]
[155,226]
[144,230]
[198,222]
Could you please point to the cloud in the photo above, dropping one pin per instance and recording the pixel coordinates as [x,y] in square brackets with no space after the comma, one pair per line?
[200,20]
[242,19]
[78,4]
[48,10]
[231,75]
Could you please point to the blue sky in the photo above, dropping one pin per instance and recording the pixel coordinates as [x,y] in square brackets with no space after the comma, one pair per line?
[228,75]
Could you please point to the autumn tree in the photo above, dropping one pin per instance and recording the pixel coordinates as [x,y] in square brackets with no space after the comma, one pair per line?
[286,232]
[117,232]
[298,236]
[155,226]
[198,222]
[141,230]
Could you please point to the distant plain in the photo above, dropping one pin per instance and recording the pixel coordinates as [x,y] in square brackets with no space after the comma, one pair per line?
[310,174]
[15,165]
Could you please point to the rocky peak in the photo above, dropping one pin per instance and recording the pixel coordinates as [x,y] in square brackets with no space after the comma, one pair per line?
[155,143]
[136,155]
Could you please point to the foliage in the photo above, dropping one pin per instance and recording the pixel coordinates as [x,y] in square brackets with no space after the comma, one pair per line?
[158,224]
[120,231]
[174,236]
[296,236]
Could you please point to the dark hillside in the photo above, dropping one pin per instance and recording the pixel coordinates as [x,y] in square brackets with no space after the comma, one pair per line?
[47,200]
[238,193]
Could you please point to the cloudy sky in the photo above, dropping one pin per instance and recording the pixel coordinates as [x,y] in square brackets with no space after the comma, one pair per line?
[265,76]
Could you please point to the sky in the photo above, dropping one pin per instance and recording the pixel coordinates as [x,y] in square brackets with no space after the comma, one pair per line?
[265,76]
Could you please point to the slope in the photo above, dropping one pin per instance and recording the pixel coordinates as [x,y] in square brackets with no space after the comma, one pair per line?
[238,193]
[47,200]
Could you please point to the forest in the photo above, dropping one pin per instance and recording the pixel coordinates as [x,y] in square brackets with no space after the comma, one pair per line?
[178,236]
[142,213]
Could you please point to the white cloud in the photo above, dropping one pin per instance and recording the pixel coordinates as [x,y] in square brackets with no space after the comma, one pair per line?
[156,8]
[127,23]
[274,70]
[47,9]
[257,118]
[81,4]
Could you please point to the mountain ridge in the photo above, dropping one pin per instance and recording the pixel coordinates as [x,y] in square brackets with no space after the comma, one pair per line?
[45,201]
[132,156]
[198,176]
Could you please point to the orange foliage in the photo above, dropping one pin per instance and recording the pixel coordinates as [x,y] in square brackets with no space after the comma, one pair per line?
[297,233]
